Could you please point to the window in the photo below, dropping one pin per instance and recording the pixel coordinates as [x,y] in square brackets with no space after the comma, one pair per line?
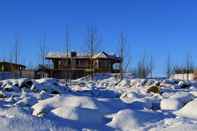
[116,66]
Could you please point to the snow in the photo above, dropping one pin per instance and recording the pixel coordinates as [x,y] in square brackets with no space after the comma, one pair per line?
[189,110]
[171,104]
[84,116]
[106,103]
[65,55]
[175,124]
[130,119]
[176,101]
[63,101]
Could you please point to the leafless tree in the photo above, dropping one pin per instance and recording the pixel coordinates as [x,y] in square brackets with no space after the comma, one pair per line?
[122,44]
[92,45]
[186,68]
[143,68]
[151,66]
[169,69]
[43,50]
[67,41]
[16,51]
[68,73]
[10,59]
[188,65]
[30,65]
[16,55]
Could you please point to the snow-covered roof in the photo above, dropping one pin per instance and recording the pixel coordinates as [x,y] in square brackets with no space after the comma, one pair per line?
[101,55]
[104,55]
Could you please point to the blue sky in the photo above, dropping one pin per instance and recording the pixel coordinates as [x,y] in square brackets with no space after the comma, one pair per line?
[157,27]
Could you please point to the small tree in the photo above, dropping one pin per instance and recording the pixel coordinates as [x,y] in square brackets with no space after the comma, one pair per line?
[186,68]
[189,65]
[67,43]
[16,55]
[92,45]
[43,50]
[16,52]
[10,59]
[125,58]
[151,66]
[122,42]
[169,69]
[143,68]
[177,69]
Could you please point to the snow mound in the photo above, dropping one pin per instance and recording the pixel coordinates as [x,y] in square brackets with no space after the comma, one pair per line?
[107,103]
[194,93]
[104,105]
[170,104]
[83,116]
[47,105]
[176,101]
[175,124]
[187,127]
[89,112]
[126,120]
[16,119]
[51,86]
[189,110]
[130,97]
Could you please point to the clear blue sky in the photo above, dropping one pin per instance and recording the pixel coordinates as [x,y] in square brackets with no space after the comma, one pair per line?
[157,27]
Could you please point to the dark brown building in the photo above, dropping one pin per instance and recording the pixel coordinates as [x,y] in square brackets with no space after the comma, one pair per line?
[10,70]
[77,65]
[11,67]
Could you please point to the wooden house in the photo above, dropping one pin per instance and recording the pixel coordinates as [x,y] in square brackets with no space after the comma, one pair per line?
[11,67]
[10,70]
[78,65]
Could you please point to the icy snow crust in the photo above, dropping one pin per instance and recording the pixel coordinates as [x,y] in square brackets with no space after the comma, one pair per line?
[106,104]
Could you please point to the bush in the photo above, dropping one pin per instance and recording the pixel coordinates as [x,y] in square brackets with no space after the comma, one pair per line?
[154,89]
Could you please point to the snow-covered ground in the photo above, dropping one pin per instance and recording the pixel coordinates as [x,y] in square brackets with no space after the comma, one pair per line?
[105,104]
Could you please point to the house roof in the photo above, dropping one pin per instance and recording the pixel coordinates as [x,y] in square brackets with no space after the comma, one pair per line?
[100,55]
[104,55]
[10,63]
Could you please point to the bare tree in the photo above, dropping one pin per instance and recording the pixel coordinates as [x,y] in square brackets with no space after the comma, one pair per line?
[43,50]
[68,73]
[186,68]
[188,65]
[122,43]
[179,69]
[151,66]
[143,68]
[169,69]
[16,52]
[16,56]
[92,45]
[10,59]
[67,41]
[30,65]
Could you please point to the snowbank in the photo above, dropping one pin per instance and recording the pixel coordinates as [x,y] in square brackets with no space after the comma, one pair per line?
[104,104]
[188,110]
[126,120]
[84,116]
[51,86]
[17,119]
[176,101]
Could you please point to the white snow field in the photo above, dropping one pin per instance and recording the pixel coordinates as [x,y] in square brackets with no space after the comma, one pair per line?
[105,104]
